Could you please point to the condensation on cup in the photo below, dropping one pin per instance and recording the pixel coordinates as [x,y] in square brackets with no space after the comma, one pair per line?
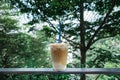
[59,53]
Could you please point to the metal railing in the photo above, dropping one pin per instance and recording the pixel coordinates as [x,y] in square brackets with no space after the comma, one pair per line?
[66,71]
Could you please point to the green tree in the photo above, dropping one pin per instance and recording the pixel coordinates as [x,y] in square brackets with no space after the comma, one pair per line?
[18,49]
[105,53]
[88,32]
[16,46]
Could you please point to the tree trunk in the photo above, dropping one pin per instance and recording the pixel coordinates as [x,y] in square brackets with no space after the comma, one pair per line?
[83,59]
[82,38]
[83,63]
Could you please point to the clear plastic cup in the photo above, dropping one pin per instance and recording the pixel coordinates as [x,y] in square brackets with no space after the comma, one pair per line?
[59,53]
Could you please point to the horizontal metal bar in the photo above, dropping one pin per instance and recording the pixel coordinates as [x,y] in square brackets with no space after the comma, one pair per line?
[66,71]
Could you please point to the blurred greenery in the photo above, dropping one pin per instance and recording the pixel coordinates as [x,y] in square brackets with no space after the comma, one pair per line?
[22,49]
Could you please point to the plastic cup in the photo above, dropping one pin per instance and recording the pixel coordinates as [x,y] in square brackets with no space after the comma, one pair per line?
[59,53]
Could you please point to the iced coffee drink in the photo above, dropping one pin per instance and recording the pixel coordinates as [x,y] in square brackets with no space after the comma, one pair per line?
[59,55]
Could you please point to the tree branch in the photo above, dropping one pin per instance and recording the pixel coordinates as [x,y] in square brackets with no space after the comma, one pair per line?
[66,38]
[82,27]
[102,38]
[75,12]
[101,25]
[97,77]
[52,25]
[47,19]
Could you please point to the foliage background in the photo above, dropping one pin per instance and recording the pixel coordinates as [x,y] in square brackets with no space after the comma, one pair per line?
[18,49]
